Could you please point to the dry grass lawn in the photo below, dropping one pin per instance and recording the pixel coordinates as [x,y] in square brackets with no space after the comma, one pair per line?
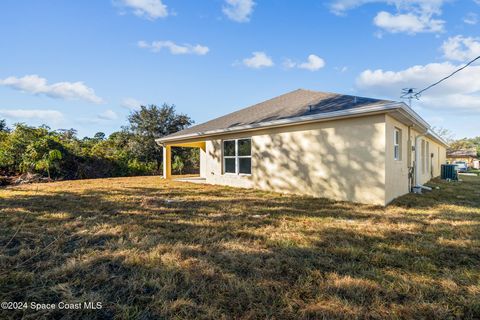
[150,249]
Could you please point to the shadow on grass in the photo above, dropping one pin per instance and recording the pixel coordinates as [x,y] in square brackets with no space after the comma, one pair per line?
[190,251]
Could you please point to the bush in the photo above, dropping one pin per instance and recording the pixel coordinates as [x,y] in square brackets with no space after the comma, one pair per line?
[130,151]
[136,168]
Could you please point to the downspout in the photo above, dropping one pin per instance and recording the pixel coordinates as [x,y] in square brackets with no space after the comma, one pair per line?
[409,159]
[417,162]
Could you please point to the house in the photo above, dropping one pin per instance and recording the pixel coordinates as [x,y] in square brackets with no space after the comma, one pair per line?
[467,155]
[320,144]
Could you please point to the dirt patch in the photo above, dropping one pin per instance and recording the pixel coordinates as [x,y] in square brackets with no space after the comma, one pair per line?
[25,178]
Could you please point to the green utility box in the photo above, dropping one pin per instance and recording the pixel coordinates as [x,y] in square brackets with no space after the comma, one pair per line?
[449,171]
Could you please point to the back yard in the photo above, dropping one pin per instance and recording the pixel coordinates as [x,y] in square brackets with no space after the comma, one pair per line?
[148,249]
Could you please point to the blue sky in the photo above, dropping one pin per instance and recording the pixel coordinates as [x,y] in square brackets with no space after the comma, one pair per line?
[87,64]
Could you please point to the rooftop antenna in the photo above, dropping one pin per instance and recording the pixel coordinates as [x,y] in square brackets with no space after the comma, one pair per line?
[409,94]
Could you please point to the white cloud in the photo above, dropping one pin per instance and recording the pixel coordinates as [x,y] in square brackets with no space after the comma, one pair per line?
[28,114]
[463,102]
[157,46]
[313,63]
[149,9]
[471,18]
[340,7]
[460,48]
[461,92]
[108,115]
[131,103]
[342,69]
[412,16]
[238,10]
[424,6]
[64,90]
[407,23]
[289,64]
[258,60]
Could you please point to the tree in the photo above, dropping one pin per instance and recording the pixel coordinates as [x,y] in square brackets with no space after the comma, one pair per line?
[67,134]
[42,154]
[178,164]
[99,136]
[194,158]
[130,151]
[48,161]
[466,143]
[3,126]
[444,133]
[462,144]
[15,144]
[152,122]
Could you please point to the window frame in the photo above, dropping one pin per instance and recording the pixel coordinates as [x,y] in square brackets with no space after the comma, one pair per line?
[237,157]
[397,144]
[224,157]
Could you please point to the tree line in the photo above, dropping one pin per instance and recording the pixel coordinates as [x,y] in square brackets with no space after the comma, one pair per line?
[61,154]
[458,144]
[466,143]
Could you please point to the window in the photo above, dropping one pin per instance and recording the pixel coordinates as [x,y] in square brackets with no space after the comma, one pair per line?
[397,143]
[229,156]
[244,156]
[237,156]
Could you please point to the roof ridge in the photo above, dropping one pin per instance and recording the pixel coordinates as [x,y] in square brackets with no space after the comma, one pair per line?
[291,105]
[343,94]
[257,104]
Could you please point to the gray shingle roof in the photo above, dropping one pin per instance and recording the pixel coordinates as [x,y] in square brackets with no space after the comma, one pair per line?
[462,153]
[294,104]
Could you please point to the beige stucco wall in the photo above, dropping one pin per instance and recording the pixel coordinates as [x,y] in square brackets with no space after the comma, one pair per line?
[342,159]
[349,159]
[439,157]
[397,170]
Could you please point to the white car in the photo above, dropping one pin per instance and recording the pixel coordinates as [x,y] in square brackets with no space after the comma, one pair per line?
[461,166]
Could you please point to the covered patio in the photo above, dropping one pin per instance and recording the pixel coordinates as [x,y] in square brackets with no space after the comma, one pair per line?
[167,160]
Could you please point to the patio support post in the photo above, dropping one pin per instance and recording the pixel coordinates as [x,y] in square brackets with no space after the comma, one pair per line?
[167,162]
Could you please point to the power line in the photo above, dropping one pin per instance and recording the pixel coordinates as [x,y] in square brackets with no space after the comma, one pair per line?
[417,95]
[409,93]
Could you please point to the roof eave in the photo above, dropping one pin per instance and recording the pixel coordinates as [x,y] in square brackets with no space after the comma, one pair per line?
[416,118]
[435,136]
[369,110]
[284,122]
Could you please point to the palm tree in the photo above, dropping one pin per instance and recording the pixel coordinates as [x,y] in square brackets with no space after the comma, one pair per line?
[178,164]
[48,160]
